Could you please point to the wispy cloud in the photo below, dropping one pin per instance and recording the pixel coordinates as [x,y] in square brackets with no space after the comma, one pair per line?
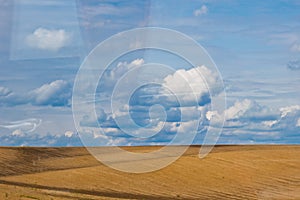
[26,125]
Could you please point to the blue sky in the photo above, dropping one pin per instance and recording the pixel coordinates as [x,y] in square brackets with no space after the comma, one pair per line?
[255,44]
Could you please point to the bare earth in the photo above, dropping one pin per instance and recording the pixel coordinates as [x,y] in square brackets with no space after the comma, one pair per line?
[229,172]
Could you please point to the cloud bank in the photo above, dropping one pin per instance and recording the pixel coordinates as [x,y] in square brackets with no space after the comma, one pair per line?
[173,104]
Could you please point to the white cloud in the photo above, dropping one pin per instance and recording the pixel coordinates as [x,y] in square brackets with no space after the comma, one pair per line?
[248,117]
[245,117]
[69,134]
[183,84]
[46,39]
[238,109]
[288,122]
[56,93]
[201,11]
[249,110]
[110,130]
[188,84]
[270,123]
[289,109]
[288,119]
[18,132]
[111,77]
[123,67]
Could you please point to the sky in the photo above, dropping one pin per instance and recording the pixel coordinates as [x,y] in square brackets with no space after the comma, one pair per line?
[255,46]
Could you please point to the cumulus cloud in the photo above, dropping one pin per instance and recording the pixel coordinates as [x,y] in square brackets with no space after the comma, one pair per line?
[111,76]
[201,11]
[285,111]
[183,88]
[186,85]
[69,134]
[46,39]
[56,93]
[244,112]
[288,122]
[247,117]
[190,86]
[294,65]
[182,94]
[248,109]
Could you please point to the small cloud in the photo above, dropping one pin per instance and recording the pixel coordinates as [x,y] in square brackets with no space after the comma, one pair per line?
[4,91]
[51,40]
[294,65]
[18,133]
[111,77]
[201,11]
[69,134]
[270,123]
